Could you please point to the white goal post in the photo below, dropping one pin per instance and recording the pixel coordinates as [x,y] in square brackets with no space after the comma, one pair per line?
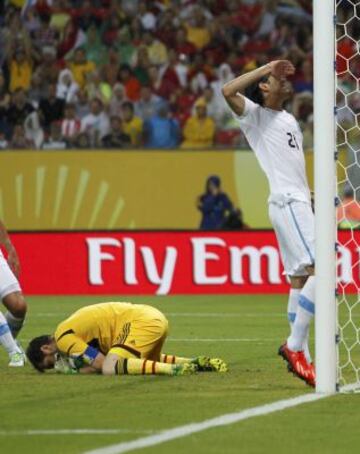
[337,172]
[325,193]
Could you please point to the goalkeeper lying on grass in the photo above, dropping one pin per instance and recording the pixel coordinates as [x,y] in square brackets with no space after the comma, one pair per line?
[114,339]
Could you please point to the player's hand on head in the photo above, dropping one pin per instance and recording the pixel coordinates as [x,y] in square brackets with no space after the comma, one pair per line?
[281,68]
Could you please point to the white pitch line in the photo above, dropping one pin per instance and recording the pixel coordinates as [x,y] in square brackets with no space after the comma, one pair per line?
[217,340]
[189,314]
[225,315]
[74,432]
[236,339]
[223,420]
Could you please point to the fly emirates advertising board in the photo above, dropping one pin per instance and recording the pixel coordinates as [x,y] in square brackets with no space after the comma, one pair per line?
[163,263]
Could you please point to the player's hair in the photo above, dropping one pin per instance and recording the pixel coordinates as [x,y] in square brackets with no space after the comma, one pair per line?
[254,93]
[34,352]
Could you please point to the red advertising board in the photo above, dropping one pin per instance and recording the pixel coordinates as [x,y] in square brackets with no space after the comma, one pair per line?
[161,262]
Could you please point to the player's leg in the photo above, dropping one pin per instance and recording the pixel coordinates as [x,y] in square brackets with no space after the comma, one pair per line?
[16,311]
[203,363]
[12,297]
[139,352]
[304,315]
[8,343]
[294,227]
[150,332]
[297,284]
[120,362]
[13,300]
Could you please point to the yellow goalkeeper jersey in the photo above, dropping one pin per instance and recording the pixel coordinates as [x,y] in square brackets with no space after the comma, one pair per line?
[96,328]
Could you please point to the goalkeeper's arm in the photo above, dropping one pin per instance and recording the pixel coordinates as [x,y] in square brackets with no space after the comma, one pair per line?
[86,359]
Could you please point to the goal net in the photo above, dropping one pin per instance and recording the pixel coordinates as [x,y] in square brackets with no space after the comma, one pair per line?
[347,36]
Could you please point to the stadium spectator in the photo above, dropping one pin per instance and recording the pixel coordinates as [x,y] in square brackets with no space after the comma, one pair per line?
[148,104]
[147,18]
[94,48]
[66,88]
[5,98]
[4,144]
[20,69]
[156,49]
[36,90]
[96,123]
[200,74]
[304,80]
[348,211]
[82,107]
[117,100]
[199,129]
[55,140]
[141,65]
[211,105]
[72,38]
[45,35]
[83,141]
[132,125]
[110,29]
[70,125]
[224,74]
[177,48]
[124,46]
[88,14]
[80,67]
[182,45]
[161,130]
[131,84]
[33,130]
[18,109]
[197,31]
[110,69]
[49,67]
[51,108]
[166,81]
[214,205]
[18,140]
[97,88]
[116,137]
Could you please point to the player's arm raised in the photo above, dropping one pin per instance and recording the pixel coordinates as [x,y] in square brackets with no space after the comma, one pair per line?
[234,90]
[12,258]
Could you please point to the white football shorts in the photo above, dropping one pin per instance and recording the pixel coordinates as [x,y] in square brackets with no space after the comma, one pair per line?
[8,282]
[294,226]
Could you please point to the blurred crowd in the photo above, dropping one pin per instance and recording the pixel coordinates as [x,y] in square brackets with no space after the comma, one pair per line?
[130,73]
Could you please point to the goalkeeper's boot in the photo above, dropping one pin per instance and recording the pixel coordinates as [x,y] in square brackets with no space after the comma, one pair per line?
[206,364]
[17,359]
[184,369]
[298,365]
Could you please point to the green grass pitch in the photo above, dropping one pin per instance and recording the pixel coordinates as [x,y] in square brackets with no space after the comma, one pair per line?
[244,330]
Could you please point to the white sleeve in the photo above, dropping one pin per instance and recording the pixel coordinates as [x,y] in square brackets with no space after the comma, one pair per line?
[249,110]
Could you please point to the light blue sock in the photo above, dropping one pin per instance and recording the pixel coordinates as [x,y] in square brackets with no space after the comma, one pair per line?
[15,324]
[6,338]
[304,314]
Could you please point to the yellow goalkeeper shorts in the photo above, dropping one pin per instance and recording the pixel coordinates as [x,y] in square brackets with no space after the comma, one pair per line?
[144,336]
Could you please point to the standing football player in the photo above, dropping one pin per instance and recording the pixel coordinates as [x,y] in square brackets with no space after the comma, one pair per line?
[257,99]
[13,299]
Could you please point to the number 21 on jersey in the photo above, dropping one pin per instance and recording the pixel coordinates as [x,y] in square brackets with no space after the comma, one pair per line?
[292,140]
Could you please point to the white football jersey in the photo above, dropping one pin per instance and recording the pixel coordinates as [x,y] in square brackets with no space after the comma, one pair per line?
[276,139]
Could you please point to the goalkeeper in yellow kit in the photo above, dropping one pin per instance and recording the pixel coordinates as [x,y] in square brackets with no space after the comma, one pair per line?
[114,339]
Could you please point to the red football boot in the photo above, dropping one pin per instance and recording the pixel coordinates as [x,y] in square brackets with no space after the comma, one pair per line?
[298,365]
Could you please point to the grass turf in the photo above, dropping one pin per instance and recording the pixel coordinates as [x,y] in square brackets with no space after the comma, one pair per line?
[244,330]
